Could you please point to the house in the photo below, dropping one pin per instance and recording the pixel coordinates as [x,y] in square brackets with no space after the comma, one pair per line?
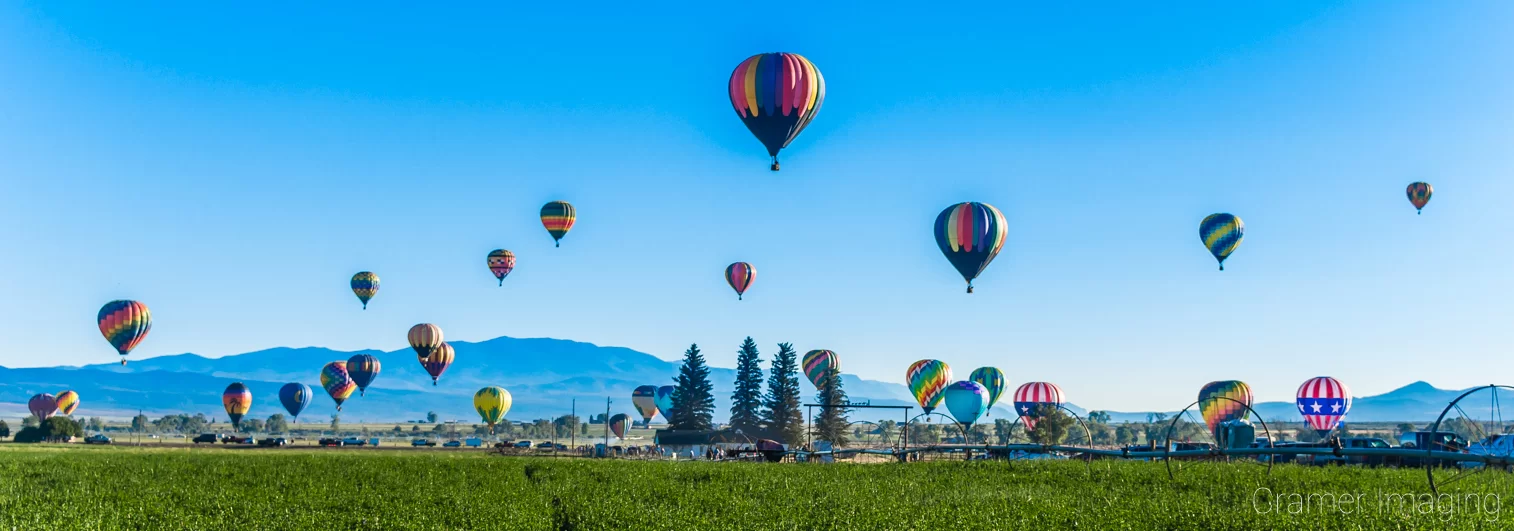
[686,444]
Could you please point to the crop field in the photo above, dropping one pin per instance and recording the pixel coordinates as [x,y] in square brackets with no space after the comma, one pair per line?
[73,487]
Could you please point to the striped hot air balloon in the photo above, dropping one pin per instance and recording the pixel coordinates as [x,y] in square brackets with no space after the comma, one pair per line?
[619,424]
[740,276]
[1224,401]
[817,364]
[363,368]
[558,218]
[645,400]
[124,324]
[776,95]
[970,235]
[501,263]
[365,285]
[438,361]
[425,338]
[68,401]
[927,379]
[1221,234]
[1033,399]
[1324,402]
[1419,195]
[992,380]
[237,399]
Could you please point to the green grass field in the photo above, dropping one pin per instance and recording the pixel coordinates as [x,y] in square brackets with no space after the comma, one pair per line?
[74,487]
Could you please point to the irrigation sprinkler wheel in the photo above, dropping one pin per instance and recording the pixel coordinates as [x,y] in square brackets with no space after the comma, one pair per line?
[1024,438]
[1216,453]
[1480,435]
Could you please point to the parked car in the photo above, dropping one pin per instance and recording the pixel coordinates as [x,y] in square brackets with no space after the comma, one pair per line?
[353,441]
[422,442]
[329,441]
[1358,442]
[206,438]
[373,441]
[1442,441]
[237,439]
[1499,444]
[522,444]
[98,438]
[544,445]
[452,444]
[1283,457]
[474,442]
[272,442]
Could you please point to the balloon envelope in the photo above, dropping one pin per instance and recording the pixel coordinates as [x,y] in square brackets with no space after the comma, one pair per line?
[1419,194]
[1033,398]
[68,401]
[1324,402]
[501,263]
[992,380]
[438,361]
[970,235]
[740,276]
[337,382]
[365,285]
[967,401]
[237,399]
[927,379]
[618,425]
[424,338]
[558,217]
[665,401]
[818,363]
[492,403]
[363,368]
[645,400]
[1221,234]
[295,397]
[776,95]
[42,405]
[124,324]
[1224,401]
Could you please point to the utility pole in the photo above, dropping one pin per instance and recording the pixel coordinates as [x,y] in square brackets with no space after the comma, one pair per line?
[607,426]
[573,432]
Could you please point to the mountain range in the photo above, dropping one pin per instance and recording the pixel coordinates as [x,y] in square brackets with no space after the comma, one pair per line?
[544,376]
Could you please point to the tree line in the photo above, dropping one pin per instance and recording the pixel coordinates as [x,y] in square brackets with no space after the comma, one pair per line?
[774,413]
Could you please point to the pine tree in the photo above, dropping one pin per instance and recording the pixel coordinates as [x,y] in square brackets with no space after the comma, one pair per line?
[746,401]
[781,417]
[694,395]
[831,426]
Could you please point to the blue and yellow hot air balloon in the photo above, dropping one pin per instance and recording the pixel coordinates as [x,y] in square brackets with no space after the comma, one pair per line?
[363,368]
[1221,233]
[492,403]
[776,95]
[124,324]
[365,285]
[970,235]
[295,397]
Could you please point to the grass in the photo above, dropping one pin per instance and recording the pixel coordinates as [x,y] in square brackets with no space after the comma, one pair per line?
[73,487]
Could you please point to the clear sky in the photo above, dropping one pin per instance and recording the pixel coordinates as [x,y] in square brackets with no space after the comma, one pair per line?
[232,166]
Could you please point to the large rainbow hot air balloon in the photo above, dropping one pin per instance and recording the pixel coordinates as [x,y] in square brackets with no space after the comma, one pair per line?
[1032,400]
[68,401]
[967,402]
[295,397]
[42,405]
[1224,401]
[558,218]
[124,324]
[438,361]
[645,400]
[1221,234]
[425,338]
[501,263]
[740,276]
[337,382]
[492,403]
[237,399]
[1419,195]
[365,285]
[664,400]
[817,364]
[970,235]
[927,379]
[363,368]
[618,424]
[1324,402]
[992,380]
[776,95]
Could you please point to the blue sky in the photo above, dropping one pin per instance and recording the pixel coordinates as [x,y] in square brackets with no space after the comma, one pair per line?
[232,167]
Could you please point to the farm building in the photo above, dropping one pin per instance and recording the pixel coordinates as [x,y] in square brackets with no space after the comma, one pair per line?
[696,444]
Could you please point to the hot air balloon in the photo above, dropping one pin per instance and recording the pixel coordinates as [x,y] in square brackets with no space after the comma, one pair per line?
[501,263]
[492,403]
[1215,407]
[438,361]
[1419,195]
[1324,402]
[124,324]
[365,285]
[776,95]
[645,400]
[618,424]
[338,382]
[967,402]
[558,218]
[237,399]
[42,406]
[927,379]
[363,368]
[664,400]
[68,401]
[740,276]
[970,235]
[1033,399]
[818,363]
[1221,233]
[424,338]
[296,397]
[992,380]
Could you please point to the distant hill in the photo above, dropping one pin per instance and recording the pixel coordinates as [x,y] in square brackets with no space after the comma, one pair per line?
[543,375]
